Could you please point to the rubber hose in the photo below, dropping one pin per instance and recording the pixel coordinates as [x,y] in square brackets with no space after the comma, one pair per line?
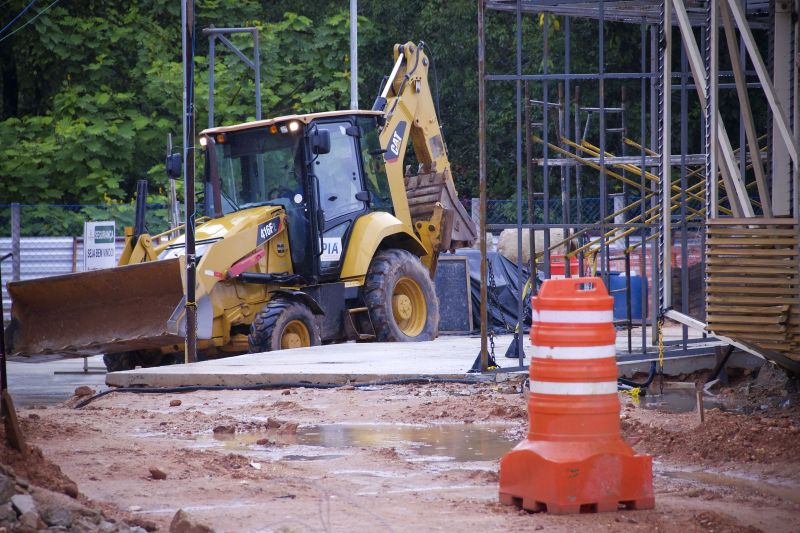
[646,383]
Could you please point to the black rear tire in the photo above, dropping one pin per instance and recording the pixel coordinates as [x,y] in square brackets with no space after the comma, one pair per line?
[283,324]
[401,298]
[118,362]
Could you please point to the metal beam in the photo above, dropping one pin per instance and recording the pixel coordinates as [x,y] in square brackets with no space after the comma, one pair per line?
[779,117]
[737,193]
[744,106]
[666,166]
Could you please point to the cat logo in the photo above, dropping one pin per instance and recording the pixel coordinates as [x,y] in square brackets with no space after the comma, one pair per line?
[393,150]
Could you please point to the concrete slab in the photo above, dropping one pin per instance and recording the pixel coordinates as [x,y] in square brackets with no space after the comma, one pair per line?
[447,357]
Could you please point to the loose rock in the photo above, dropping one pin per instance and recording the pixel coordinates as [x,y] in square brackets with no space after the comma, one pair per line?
[157,473]
[174,403]
[182,522]
[225,429]
[83,390]
[23,503]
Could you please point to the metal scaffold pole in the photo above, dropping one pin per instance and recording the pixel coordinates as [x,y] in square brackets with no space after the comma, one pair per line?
[187,24]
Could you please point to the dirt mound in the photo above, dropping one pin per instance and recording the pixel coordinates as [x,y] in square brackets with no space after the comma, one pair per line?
[35,468]
[724,437]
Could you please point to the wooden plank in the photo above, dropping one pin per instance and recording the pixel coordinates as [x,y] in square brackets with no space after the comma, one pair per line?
[752,222]
[752,310]
[754,281]
[739,319]
[749,241]
[772,232]
[753,290]
[761,252]
[745,261]
[760,271]
[748,328]
[751,337]
[737,300]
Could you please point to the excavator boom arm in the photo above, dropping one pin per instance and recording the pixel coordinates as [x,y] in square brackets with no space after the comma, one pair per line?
[425,200]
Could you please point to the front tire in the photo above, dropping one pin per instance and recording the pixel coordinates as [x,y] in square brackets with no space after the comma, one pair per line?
[283,324]
[401,298]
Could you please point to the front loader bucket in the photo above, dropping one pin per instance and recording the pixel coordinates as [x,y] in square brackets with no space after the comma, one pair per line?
[103,311]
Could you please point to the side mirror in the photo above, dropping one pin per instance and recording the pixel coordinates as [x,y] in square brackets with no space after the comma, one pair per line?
[320,142]
[173,165]
[364,196]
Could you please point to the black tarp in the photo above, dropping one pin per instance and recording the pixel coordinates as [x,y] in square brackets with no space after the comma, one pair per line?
[508,284]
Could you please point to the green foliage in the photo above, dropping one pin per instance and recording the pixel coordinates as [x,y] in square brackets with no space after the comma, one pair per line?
[91,89]
[99,87]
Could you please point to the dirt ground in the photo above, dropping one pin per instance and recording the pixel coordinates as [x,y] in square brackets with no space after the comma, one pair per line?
[401,458]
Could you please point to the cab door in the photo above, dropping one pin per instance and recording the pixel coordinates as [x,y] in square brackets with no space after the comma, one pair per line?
[339,176]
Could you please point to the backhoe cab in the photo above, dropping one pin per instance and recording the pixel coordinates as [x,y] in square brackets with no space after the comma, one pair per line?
[313,232]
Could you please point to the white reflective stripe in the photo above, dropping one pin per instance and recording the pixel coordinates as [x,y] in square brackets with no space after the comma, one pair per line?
[574,352]
[572,388]
[573,317]
[535,315]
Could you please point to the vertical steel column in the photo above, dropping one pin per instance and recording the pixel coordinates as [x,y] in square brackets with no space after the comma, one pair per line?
[187,29]
[520,261]
[666,151]
[484,355]
[684,129]
[712,107]
[643,182]
[257,72]
[545,150]
[566,132]
[604,250]
[529,181]
[212,56]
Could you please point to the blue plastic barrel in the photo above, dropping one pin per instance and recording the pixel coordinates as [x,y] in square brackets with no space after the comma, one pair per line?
[638,290]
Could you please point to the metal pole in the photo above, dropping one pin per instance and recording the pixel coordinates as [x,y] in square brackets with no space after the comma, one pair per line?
[520,261]
[257,72]
[187,24]
[212,54]
[482,175]
[666,152]
[353,54]
[604,250]
[529,181]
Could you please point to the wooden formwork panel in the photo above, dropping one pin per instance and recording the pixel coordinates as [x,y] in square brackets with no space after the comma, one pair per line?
[753,282]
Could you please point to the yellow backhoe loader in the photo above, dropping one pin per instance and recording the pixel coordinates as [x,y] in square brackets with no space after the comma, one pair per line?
[312,233]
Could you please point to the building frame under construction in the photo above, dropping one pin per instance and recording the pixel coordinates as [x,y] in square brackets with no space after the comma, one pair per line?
[722,255]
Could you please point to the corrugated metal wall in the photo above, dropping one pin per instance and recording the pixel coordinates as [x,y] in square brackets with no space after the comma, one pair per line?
[44,256]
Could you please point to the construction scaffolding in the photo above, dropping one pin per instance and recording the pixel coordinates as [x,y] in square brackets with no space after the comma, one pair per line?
[708,226]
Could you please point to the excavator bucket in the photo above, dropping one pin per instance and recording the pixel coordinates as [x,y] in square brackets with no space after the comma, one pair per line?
[427,189]
[103,311]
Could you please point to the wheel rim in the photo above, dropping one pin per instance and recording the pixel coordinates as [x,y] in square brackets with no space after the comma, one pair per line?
[295,335]
[409,307]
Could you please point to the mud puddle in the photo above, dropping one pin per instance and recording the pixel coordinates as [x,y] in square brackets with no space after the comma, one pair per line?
[446,442]
[791,494]
[681,400]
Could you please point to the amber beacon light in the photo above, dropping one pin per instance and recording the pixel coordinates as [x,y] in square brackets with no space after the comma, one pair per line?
[574,459]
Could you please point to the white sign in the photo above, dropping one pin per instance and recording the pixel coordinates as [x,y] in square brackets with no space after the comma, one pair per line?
[98,245]
[331,249]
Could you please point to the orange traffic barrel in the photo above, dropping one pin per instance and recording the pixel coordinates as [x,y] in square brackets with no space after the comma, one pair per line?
[574,459]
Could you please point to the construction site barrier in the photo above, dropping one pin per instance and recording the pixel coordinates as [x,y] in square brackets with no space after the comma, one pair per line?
[574,459]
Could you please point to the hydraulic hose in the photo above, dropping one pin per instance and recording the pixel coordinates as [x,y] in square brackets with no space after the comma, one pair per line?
[646,383]
[276,385]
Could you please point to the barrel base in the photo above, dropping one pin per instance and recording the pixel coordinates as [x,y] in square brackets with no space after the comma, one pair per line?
[576,477]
